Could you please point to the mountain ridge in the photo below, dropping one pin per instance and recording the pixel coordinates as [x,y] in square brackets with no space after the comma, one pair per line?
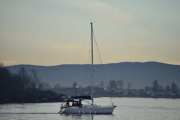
[139,74]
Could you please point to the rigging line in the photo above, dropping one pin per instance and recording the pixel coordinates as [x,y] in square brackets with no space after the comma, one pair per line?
[101,61]
[98,49]
[100,57]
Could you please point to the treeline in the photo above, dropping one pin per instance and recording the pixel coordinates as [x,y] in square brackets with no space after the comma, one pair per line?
[117,88]
[21,88]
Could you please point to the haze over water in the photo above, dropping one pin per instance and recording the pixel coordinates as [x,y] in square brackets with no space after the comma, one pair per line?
[127,109]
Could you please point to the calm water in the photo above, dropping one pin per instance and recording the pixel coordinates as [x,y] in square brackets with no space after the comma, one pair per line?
[127,109]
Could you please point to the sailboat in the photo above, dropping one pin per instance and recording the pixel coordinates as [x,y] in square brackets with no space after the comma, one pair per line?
[74,105]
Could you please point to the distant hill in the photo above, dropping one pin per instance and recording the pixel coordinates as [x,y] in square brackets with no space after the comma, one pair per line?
[139,74]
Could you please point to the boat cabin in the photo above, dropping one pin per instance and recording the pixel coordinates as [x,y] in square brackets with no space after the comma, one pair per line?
[76,100]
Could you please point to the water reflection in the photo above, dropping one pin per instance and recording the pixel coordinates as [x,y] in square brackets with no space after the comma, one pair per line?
[77,117]
[88,117]
[82,117]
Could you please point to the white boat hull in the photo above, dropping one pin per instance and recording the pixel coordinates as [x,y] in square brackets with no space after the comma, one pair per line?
[88,109]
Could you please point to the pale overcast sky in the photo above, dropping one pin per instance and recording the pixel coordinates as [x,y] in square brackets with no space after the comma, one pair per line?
[52,32]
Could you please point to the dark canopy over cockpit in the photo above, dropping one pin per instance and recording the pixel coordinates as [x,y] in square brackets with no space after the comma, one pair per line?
[81,97]
[78,98]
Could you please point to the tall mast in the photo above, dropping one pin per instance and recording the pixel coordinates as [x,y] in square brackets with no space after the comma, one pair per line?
[92,57]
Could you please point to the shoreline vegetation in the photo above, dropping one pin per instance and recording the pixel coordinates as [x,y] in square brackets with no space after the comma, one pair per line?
[21,88]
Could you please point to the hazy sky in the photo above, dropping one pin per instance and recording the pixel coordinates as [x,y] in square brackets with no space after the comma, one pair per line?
[51,32]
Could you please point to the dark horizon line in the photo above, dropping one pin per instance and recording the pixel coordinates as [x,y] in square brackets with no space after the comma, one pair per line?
[94,64]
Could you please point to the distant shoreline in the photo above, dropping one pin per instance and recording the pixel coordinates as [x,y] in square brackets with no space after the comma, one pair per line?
[55,101]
